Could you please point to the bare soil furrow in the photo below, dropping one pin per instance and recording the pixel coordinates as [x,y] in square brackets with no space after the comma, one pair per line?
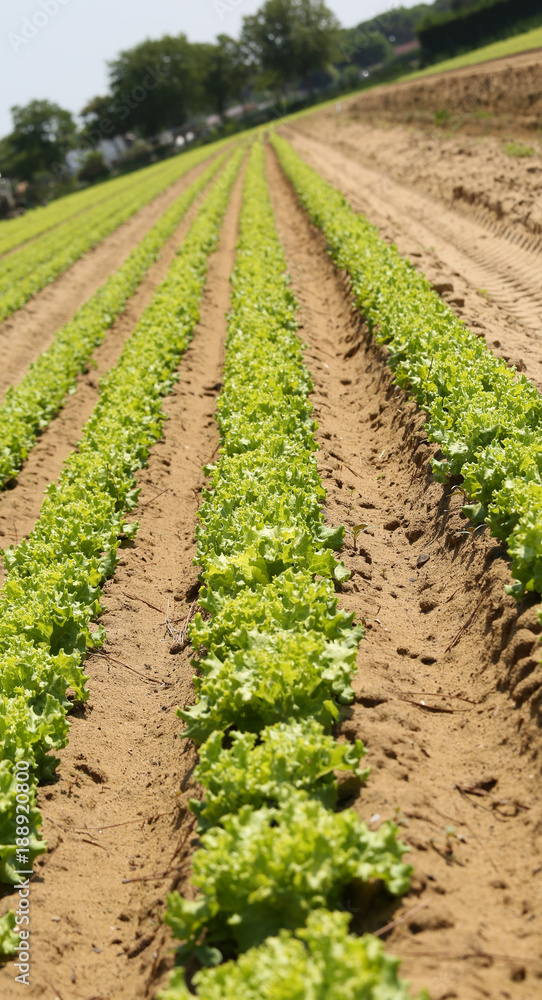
[441,698]
[116,819]
[490,283]
[30,330]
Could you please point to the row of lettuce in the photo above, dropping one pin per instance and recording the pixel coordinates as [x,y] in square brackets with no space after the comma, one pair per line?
[484,416]
[30,406]
[15,232]
[52,592]
[27,270]
[275,862]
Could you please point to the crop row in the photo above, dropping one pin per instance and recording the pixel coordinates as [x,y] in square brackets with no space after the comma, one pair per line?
[28,408]
[14,232]
[35,265]
[274,859]
[484,416]
[52,591]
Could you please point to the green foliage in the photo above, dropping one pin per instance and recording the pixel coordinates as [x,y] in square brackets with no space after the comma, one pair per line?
[279,657]
[156,84]
[225,72]
[290,754]
[52,591]
[28,408]
[518,149]
[42,134]
[30,268]
[291,38]
[8,847]
[267,868]
[278,648]
[472,23]
[36,221]
[272,676]
[290,601]
[94,168]
[483,415]
[318,962]
[8,939]
[366,47]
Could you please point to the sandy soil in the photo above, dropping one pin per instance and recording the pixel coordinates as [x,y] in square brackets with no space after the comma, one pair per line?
[501,95]
[475,175]
[30,330]
[116,819]
[445,744]
[448,690]
[490,275]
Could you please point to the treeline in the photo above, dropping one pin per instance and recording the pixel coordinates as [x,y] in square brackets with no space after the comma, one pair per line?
[169,83]
[470,25]
[286,51]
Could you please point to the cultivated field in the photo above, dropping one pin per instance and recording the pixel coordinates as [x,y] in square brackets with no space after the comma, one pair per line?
[335,324]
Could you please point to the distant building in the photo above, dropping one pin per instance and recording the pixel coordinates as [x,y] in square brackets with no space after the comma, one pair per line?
[406,47]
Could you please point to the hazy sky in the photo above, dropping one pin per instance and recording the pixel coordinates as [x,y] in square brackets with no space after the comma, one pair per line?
[57,49]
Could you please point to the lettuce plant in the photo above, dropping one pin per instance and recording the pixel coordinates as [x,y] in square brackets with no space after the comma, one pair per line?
[267,868]
[29,407]
[277,658]
[30,268]
[320,961]
[483,415]
[270,677]
[52,590]
[291,754]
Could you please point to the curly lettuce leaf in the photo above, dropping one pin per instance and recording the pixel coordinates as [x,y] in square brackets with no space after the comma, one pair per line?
[320,961]
[268,868]
[293,754]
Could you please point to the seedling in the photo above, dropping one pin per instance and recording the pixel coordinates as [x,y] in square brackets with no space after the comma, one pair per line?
[355,531]
[442,117]
[518,149]
[471,530]
[450,836]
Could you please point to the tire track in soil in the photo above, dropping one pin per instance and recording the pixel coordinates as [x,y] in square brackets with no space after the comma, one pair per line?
[20,503]
[491,283]
[30,330]
[417,581]
[93,935]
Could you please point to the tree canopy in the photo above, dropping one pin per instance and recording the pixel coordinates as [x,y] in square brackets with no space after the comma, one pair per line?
[157,84]
[42,134]
[167,82]
[291,38]
[226,72]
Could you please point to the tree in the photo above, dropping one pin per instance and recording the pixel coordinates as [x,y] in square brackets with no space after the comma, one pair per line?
[95,109]
[291,38]
[156,84]
[93,168]
[366,49]
[42,135]
[225,72]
